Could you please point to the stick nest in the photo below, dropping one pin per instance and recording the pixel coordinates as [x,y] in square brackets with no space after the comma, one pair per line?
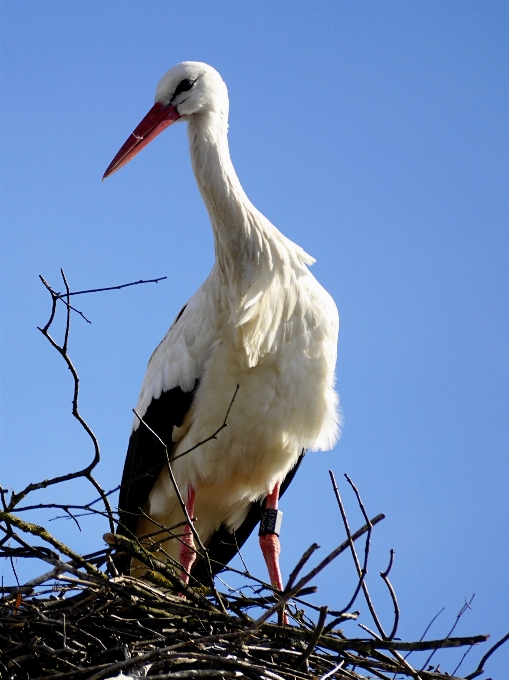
[127,626]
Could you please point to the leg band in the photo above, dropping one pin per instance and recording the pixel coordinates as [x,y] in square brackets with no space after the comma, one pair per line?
[270,522]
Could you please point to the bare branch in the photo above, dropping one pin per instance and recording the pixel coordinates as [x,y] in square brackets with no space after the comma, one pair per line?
[300,564]
[68,315]
[60,296]
[361,572]
[87,471]
[480,667]
[316,636]
[463,609]
[37,530]
[212,436]
[385,576]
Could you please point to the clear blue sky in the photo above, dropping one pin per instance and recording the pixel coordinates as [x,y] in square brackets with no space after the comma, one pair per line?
[375,135]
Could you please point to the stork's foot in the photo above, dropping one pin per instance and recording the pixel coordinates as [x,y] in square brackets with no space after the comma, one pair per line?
[271,547]
[187,549]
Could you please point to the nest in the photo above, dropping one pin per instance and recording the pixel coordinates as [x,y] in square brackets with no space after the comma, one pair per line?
[126,626]
[99,624]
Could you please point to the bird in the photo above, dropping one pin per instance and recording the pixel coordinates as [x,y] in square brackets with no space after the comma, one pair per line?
[243,383]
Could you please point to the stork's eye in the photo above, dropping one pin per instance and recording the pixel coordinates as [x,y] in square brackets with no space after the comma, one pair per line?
[183,86]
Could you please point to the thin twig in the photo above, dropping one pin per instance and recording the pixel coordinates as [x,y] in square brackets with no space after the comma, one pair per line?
[361,572]
[490,651]
[37,530]
[55,297]
[101,290]
[300,564]
[385,576]
[458,617]
[212,436]
[316,636]
[333,671]
[363,584]
[87,471]
[427,628]
[462,659]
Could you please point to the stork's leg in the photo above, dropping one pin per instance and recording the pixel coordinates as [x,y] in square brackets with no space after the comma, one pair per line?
[187,551]
[269,539]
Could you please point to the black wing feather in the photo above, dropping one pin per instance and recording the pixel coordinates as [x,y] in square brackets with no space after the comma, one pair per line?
[146,457]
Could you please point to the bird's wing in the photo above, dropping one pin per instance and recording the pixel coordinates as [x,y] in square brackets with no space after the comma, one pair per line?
[172,376]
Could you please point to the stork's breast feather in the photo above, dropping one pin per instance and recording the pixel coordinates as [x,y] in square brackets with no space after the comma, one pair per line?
[285,320]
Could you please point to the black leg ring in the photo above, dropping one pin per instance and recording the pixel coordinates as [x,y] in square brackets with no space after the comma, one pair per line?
[270,522]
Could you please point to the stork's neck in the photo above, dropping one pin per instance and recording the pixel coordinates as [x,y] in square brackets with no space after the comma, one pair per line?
[257,266]
[241,233]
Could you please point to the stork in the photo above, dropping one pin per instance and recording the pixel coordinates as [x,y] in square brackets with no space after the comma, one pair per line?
[261,322]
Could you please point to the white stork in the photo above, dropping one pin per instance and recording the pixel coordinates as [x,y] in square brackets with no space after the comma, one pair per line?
[260,321]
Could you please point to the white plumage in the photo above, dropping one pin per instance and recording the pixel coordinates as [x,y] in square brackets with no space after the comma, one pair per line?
[260,321]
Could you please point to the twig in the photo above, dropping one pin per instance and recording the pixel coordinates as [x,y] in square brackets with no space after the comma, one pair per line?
[55,297]
[28,587]
[300,564]
[462,659]
[62,350]
[101,290]
[363,584]
[361,572]
[87,471]
[212,436]
[195,673]
[68,315]
[361,644]
[458,617]
[316,636]
[490,651]
[427,628]
[37,530]
[385,576]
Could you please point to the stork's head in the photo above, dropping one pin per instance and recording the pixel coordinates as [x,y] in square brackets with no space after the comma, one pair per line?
[188,89]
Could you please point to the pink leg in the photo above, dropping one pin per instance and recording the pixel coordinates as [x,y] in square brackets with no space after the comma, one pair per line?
[270,544]
[271,547]
[187,553]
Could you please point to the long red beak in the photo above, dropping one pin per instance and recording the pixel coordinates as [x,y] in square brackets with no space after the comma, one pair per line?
[156,120]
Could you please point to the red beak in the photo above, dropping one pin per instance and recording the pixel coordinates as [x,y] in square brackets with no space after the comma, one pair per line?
[157,119]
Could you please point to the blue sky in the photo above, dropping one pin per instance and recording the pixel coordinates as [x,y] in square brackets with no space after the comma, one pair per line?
[375,135]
